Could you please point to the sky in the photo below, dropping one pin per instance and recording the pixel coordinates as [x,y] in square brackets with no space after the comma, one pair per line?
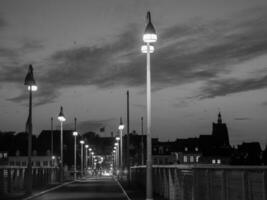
[211,56]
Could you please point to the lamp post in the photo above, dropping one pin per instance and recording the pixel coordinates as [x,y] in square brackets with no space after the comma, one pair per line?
[61,119]
[75,133]
[82,142]
[142,141]
[86,157]
[30,82]
[121,127]
[149,36]
[52,139]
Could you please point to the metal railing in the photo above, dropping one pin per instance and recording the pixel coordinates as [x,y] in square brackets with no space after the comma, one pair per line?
[12,179]
[205,182]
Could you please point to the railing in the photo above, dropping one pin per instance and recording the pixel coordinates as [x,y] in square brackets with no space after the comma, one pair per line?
[12,179]
[205,182]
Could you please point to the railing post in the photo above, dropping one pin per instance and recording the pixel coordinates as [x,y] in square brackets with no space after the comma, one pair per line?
[9,180]
[245,185]
[265,184]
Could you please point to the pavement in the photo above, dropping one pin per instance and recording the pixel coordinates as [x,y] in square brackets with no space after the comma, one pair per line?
[101,188]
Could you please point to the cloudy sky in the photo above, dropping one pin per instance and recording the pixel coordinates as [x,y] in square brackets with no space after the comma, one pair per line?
[211,55]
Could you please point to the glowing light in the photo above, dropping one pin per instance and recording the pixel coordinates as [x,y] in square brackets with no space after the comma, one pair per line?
[82,142]
[75,133]
[61,118]
[32,88]
[144,49]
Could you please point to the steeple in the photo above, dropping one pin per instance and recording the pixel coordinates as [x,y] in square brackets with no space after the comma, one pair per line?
[219,118]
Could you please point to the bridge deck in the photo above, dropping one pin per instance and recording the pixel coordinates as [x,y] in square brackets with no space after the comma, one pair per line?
[91,188]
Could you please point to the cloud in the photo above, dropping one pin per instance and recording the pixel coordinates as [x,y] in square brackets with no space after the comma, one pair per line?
[223,87]
[185,53]
[242,118]
[3,22]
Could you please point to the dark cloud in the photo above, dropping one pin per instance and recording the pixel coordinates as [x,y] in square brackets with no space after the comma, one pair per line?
[242,118]
[185,53]
[3,22]
[223,87]
[29,45]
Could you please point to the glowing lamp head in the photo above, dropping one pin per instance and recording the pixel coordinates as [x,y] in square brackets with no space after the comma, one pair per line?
[32,88]
[116,144]
[121,126]
[61,117]
[86,146]
[29,80]
[90,149]
[150,35]
[53,157]
[144,49]
[82,142]
[114,151]
[75,133]
[117,138]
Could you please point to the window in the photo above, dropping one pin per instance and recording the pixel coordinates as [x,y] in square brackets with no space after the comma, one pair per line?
[213,161]
[185,159]
[196,148]
[186,149]
[191,159]
[45,163]
[17,163]
[219,161]
[12,163]
[23,163]
[37,163]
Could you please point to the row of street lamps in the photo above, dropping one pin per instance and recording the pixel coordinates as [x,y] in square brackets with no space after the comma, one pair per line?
[149,37]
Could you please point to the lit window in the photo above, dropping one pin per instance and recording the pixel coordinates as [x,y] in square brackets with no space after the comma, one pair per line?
[185,159]
[219,161]
[213,161]
[186,149]
[197,159]
[191,159]
[196,149]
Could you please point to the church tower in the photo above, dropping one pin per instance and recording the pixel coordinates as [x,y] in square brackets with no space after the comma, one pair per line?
[220,133]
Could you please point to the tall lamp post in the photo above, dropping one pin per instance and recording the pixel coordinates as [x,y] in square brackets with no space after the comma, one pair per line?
[82,142]
[30,82]
[117,138]
[75,133]
[61,119]
[149,36]
[121,127]
[86,157]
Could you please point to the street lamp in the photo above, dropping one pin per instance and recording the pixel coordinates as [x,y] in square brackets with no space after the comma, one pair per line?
[86,157]
[30,82]
[82,142]
[149,36]
[75,133]
[61,119]
[121,127]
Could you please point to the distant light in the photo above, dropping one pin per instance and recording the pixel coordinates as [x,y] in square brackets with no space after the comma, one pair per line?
[86,146]
[82,142]
[61,117]
[150,32]
[75,133]
[121,127]
[53,157]
[33,88]
[117,138]
[116,144]
[90,149]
